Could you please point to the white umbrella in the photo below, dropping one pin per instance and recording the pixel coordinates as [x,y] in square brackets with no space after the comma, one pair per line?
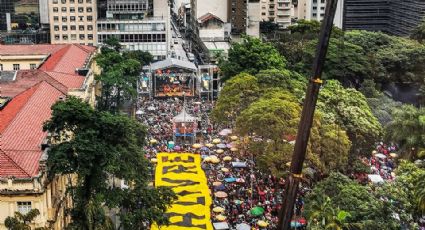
[139,112]
[243,226]
[151,108]
[380,155]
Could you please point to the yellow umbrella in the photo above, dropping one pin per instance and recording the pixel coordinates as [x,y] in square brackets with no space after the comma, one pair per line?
[154,160]
[215,160]
[216,141]
[220,194]
[220,151]
[209,145]
[220,217]
[227,158]
[217,183]
[233,138]
[153,141]
[196,146]
[207,159]
[218,209]
[224,169]
[233,149]
[262,223]
[394,155]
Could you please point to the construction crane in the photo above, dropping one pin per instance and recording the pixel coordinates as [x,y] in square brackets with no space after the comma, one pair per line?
[309,106]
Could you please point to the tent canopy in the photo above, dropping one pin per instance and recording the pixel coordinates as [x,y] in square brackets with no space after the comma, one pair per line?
[375,178]
[172,62]
[183,116]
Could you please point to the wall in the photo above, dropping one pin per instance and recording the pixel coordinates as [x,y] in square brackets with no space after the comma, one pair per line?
[216,7]
[23,60]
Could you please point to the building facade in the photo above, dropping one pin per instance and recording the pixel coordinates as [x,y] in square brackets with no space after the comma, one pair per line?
[277,11]
[25,104]
[139,25]
[315,10]
[237,14]
[73,21]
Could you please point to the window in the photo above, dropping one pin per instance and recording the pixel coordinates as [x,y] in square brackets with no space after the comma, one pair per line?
[80,1]
[72,9]
[88,1]
[81,18]
[1,67]
[55,9]
[72,1]
[81,9]
[73,28]
[90,36]
[64,19]
[89,9]
[89,18]
[63,1]
[56,28]
[73,37]
[80,28]
[65,37]
[82,36]
[33,66]
[56,18]
[90,27]
[16,66]
[57,37]
[55,1]
[72,18]
[64,28]
[24,207]
[63,9]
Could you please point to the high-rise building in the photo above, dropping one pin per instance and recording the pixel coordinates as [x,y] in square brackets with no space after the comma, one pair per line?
[237,14]
[73,21]
[315,10]
[138,24]
[20,22]
[279,12]
[397,17]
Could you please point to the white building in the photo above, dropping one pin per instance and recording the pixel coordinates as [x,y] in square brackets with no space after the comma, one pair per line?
[138,26]
[277,11]
[315,10]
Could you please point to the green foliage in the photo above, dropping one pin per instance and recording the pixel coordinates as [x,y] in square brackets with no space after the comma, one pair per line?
[368,209]
[22,222]
[118,80]
[419,32]
[349,109]
[111,44]
[251,55]
[407,128]
[143,57]
[238,93]
[95,145]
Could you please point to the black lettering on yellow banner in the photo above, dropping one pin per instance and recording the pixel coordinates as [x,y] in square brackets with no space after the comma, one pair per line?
[189,159]
[180,183]
[199,200]
[179,169]
[186,220]
[185,193]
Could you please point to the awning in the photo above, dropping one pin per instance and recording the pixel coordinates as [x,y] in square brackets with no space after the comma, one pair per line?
[172,62]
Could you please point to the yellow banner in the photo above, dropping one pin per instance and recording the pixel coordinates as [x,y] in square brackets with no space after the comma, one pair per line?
[182,172]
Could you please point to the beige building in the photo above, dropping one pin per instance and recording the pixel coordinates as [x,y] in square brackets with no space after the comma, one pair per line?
[315,10]
[73,21]
[277,11]
[25,102]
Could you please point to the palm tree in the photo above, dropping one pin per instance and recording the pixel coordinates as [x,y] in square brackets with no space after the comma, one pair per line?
[324,216]
[420,194]
[21,221]
[407,128]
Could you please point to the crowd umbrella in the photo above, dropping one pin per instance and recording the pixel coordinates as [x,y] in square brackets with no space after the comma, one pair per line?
[220,217]
[218,209]
[209,145]
[220,194]
[225,169]
[220,151]
[216,141]
[217,183]
[243,226]
[227,158]
[196,146]
[233,138]
[262,223]
[221,146]
[257,211]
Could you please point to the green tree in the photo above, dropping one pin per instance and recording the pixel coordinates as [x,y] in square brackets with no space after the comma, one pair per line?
[250,55]
[111,44]
[407,128]
[349,109]
[143,57]
[237,94]
[95,146]
[118,80]
[22,221]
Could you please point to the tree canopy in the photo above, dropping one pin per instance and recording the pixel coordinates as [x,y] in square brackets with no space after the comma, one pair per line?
[95,146]
[250,55]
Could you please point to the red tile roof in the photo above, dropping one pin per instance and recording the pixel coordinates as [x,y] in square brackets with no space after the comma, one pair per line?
[29,49]
[33,93]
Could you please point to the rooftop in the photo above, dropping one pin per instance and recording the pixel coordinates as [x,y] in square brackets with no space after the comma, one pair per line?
[32,94]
